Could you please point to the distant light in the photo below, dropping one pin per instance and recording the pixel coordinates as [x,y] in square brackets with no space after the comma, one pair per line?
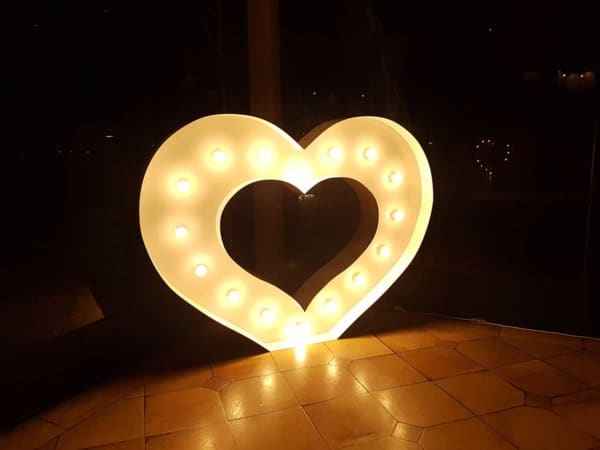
[505,159]
[580,75]
[489,140]
[477,146]
[507,145]
[362,95]
[108,136]
[314,93]
[507,152]
[490,29]
[430,142]
[477,161]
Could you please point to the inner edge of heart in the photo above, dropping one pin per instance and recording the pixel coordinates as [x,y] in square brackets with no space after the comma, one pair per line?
[360,241]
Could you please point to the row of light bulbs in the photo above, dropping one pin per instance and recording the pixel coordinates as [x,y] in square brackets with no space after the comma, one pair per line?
[265,155]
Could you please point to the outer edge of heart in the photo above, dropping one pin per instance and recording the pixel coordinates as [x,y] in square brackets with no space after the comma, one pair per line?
[191,142]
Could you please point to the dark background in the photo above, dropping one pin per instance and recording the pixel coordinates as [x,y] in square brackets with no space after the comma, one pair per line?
[90,89]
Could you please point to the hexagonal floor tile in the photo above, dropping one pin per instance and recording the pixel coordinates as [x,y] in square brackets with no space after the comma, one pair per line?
[469,434]
[423,405]
[537,429]
[351,420]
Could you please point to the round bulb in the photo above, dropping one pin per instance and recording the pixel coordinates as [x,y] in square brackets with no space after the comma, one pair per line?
[334,153]
[201,270]
[358,279]
[395,177]
[369,153]
[264,154]
[219,156]
[329,305]
[181,231]
[383,250]
[267,314]
[233,295]
[183,186]
[397,215]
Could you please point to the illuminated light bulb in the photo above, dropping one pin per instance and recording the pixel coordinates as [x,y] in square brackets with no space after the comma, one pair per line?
[505,159]
[369,153]
[330,305]
[395,177]
[233,295]
[265,155]
[334,153]
[181,231]
[358,279]
[383,250]
[184,186]
[267,314]
[201,270]
[397,215]
[219,156]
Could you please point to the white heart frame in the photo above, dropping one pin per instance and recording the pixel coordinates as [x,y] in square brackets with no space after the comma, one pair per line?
[197,170]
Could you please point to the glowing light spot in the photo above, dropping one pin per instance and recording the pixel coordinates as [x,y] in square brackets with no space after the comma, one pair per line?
[334,153]
[369,154]
[330,305]
[383,250]
[184,186]
[358,279]
[264,155]
[395,177]
[219,156]
[181,231]
[201,270]
[397,215]
[234,296]
[267,314]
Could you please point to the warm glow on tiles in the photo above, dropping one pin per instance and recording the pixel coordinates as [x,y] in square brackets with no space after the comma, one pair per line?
[227,152]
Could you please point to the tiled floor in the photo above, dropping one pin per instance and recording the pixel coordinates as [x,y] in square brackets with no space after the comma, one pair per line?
[433,384]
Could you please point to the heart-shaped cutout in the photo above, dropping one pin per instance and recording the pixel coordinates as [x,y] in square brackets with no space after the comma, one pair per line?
[323,232]
[198,169]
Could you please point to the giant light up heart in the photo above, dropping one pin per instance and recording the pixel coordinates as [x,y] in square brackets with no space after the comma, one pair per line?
[199,168]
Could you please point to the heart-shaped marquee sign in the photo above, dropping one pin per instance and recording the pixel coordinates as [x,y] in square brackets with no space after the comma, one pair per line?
[198,169]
